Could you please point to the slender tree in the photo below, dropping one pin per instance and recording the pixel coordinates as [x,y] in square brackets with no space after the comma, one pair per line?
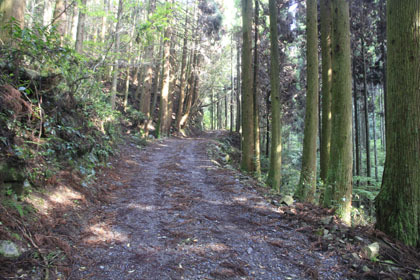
[247,161]
[60,17]
[183,76]
[274,174]
[148,76]
[307,183]
[398,203]
[164,97]
[81,27]
[238,88]
[116,72]
[339,181]
[256,112]
[366,109]
[325,16]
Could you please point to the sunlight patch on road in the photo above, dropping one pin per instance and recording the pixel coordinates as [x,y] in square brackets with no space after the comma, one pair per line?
[240,199]
[143,207]
[103,233]
[61,196]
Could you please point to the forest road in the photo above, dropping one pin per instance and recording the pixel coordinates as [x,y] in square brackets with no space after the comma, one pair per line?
[174,214]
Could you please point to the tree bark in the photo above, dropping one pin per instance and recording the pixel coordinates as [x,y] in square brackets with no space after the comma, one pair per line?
[274,174]
[183,77]
[247,161]
[398,203]
[339,181]
[365,99]
[238,88]
[164,98]
[307,182]
[148,76]
[81,27]
[374,137]
[356,123]
[256,110]
[115,72]
[59,18]
[326,29]
[11,9]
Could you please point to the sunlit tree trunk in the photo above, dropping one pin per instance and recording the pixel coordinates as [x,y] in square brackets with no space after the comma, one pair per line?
[255,95]
[81,27]
[148,73]
[247,160]
[103,22]
[183,76]
[274,174]
[398,203]
[307,182]
[325,18]
[59,17]
[164,98]
[74,23]
[116,72]
[47,12]
[11,9]
[339,182]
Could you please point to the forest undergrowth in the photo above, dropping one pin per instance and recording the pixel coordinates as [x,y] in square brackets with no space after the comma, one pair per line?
[59,134]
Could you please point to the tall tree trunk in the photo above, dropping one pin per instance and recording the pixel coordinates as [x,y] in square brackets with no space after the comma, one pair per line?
[267,143]
[232,84]
[74,23]
[148,76]
[247,160]
[212,109]
[326,29]
[339,181]
[398,203]
[366,108]
[307,182]
[115,72]
[382,110]
[158,75]
[11,9]
[382,40]
[256,112]
[172,83]
[274,174]
[183,77]
[59,18]
[193,69]
[238,88]
[103,22]
[47,12]
[81,27]
[164,99]
[356,123]
[374,136]
[128,69]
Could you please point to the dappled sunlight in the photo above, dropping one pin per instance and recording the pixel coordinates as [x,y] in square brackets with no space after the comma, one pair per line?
[103,233]
[62,196]
[240,199]
[143,207]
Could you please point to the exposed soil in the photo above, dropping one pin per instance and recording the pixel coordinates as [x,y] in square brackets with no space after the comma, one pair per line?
[174,214]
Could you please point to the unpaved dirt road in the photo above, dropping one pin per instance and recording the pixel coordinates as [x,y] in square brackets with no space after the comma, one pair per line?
[175,215]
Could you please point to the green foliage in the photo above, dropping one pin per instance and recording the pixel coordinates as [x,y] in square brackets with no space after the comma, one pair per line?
[71,121]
